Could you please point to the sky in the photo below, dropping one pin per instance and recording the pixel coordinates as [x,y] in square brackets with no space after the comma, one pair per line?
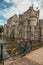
[8,8]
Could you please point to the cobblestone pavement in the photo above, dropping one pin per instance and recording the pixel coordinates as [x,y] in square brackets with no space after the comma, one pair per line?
[20,61]
[33,58]
[0,64]
[36,55]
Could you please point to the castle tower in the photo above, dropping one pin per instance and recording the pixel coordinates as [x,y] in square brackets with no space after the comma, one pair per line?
[34,20]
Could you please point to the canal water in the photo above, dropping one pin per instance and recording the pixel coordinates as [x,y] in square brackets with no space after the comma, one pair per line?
[8,46]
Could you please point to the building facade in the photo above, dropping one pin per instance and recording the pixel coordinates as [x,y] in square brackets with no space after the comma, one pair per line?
[26,26]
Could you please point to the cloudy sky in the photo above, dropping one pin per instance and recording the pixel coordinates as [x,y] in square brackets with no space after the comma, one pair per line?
[10,7]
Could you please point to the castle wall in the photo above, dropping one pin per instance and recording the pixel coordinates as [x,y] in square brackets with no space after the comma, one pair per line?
[33,21]
[41,29]
[25,26]
[37,33]
[41,33]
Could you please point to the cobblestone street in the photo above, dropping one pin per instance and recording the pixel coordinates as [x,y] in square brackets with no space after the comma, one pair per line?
[33,58]
[36,55]
[20,61]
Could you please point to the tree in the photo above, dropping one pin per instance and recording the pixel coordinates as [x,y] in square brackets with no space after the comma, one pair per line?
[1,29]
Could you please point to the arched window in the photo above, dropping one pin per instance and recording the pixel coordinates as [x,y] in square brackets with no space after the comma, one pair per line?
[21,23]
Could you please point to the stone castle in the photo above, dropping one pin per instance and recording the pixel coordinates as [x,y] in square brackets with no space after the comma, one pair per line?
[27,26]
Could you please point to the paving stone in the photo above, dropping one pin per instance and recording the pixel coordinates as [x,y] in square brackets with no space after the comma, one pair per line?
[26,60]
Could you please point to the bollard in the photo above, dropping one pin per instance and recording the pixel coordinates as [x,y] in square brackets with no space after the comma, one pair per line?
[2,54]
